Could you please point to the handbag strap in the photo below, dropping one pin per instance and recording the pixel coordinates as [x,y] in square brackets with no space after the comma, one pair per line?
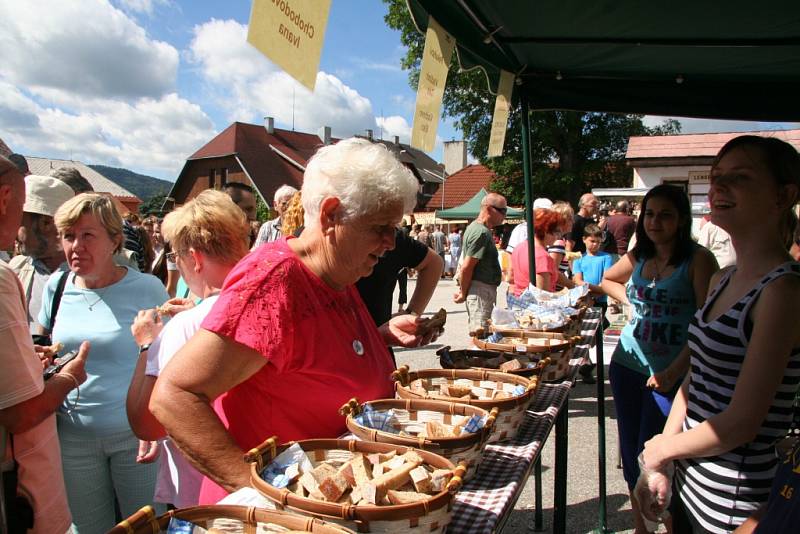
[62,281]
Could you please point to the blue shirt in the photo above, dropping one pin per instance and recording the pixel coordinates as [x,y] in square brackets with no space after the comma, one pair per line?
[659,324]
[592,269]
[112,358]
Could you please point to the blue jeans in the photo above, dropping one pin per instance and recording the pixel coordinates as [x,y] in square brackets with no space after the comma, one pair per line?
[641,414]
[98,469]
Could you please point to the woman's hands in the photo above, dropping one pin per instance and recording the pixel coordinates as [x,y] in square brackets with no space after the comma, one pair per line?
[663,382]
[146,326]
[148,452]
[404,331]
[46,353]
[174,306]
[654,453]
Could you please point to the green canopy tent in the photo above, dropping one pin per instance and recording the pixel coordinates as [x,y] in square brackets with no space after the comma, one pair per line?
[471,208]
[731,60]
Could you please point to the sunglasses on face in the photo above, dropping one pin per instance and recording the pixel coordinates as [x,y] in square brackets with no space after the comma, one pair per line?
[501,210]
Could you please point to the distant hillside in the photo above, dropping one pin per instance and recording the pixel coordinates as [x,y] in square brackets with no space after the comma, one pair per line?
[144,187]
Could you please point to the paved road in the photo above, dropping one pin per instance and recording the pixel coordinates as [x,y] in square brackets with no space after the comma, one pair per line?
[582,483]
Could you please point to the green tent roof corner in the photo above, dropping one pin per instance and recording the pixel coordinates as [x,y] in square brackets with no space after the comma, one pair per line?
[471,208]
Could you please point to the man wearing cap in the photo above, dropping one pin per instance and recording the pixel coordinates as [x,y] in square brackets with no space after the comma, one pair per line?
[520,231]
[43,253]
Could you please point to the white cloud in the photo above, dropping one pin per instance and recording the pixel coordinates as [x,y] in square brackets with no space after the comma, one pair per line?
[365,64]
[140,6]
[395,125]
[151,135]
[248,86]
[85,48]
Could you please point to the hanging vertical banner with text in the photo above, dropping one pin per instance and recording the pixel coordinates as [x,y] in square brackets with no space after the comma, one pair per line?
[502,106]
[290,34]
[432,76]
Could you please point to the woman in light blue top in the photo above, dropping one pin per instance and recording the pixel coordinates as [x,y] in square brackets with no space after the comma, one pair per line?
[101,457]
[664,279]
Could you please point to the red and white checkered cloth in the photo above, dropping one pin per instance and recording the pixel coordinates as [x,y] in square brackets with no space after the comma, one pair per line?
[489,495]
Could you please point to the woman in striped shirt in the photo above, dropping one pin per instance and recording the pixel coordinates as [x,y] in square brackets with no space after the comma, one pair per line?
[745,347]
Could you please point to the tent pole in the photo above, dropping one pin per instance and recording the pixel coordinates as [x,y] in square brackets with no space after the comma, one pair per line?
[526,174]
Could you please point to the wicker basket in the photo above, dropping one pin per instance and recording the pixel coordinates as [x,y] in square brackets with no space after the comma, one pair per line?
[431,515]
[537,345]
[466,449]
[488,359]
[511,411]
[570,328]
[234,519]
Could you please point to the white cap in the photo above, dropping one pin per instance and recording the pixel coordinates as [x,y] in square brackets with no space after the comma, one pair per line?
[542,203]
[44,195]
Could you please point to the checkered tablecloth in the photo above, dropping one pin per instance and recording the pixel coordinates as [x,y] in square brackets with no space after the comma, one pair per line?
[484,501]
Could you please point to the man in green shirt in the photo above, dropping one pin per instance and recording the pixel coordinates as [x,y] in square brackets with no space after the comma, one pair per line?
[480,266]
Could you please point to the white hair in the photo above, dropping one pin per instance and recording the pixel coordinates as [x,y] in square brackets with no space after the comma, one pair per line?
[364,176]
[283,192]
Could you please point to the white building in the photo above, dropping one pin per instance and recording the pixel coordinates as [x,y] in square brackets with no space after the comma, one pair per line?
[685,160]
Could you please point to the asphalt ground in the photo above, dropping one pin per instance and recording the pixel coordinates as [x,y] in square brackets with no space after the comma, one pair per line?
[582,467]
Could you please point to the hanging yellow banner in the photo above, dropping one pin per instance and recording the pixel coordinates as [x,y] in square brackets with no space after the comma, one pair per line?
[290,34]
[502,106]
[432,76]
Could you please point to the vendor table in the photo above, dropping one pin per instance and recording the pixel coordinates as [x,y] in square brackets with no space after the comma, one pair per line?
[484,503]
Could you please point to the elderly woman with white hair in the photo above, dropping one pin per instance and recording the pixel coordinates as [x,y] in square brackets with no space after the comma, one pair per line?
[289,340]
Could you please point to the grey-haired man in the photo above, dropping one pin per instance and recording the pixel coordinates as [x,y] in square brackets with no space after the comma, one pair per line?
[271,230]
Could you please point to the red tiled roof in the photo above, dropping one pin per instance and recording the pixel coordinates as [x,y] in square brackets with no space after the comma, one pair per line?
[266,167]
[695,145]
[461,186]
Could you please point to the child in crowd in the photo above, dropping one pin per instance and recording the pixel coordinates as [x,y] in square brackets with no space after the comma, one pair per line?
[589,269]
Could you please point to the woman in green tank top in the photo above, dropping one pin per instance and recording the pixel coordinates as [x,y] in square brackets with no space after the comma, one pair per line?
[664,279]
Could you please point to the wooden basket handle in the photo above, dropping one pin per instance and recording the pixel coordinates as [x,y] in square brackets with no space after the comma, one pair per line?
[401,375]
[351,407]
[458,477]
[492,418]
[145,516]
[256,454]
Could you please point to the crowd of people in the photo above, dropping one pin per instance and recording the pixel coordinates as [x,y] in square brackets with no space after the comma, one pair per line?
[200,334]
[706,371]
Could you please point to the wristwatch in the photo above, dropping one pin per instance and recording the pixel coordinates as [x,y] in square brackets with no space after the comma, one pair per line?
[144,348]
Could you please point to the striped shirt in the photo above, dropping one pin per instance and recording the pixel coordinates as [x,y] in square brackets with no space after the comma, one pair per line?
[559,247]
[721,491]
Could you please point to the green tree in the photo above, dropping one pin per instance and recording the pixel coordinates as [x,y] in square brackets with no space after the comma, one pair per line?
[152,206]
[571,151]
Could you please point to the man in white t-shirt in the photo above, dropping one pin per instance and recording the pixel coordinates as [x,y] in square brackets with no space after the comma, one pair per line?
[203,262]
[718,241]
[27,402]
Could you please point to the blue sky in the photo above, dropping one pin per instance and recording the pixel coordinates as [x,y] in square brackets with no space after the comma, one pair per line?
[142,84]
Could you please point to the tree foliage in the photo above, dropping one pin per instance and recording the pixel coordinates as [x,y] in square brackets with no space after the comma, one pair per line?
[152,206]
[571,151]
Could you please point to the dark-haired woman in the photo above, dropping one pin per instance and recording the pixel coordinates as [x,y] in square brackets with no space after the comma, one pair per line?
[745,348]
[665,279]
